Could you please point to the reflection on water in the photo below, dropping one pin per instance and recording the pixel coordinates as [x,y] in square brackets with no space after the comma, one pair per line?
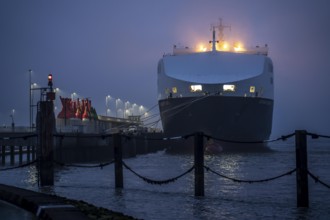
[32,176]
[224,199]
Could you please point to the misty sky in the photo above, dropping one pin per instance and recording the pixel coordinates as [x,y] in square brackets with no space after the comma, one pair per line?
[100,48]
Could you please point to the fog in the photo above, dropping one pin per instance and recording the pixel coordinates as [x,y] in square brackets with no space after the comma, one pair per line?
[100,48]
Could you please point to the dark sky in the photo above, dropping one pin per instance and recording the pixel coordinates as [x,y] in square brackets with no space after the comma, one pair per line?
[100,48]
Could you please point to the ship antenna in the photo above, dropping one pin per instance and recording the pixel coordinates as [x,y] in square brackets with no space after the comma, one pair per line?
[213,38]
[221,29]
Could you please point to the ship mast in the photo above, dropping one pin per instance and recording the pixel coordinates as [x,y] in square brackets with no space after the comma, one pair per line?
[221,29]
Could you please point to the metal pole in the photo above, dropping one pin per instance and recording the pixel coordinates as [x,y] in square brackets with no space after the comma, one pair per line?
[32,107]
[302,169]
[30,102]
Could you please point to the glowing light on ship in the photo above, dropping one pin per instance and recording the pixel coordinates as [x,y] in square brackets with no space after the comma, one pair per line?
[201,48]
[239,47]
[219,44]
[223,46]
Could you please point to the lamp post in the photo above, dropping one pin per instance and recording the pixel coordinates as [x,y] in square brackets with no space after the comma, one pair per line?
[30,98]
[73,95]
[33,86]
[31,105]
[141,109]
[126,111]
[12,119]
[135,109]
[107,103]
[118,102]
[120,113]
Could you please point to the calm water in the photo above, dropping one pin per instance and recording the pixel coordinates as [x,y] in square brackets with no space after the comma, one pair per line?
[223,198]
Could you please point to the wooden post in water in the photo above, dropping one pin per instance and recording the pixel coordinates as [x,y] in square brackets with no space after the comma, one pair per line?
[33,152]
[118,155]
[302,169]
[12,155]
[46,127]
[3,155]
[20,155]
[28,158]
[199,164]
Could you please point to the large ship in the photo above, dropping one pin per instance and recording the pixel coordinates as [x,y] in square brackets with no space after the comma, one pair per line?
[224,91]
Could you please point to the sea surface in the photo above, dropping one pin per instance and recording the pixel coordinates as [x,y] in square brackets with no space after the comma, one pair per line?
[224,198]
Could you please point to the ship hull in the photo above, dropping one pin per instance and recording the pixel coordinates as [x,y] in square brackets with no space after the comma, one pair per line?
[227,118]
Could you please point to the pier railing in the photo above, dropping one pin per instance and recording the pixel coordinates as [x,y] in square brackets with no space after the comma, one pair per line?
[301,169]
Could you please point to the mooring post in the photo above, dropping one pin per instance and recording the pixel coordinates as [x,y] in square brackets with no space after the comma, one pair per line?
[20,157]
[118,155]
[46,125]
[302,169]
[28,158]
[199,164]
[12,155]
[3,154]
[33,152]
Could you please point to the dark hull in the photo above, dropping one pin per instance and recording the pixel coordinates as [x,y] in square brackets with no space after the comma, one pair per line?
[222,117]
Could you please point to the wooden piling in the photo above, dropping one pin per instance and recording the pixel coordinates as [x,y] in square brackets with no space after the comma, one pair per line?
[199,164]
[28,154]
[118,155]
[12,155]
[3,154]
[46,125]
[33,152]
[302,169]
[20,155]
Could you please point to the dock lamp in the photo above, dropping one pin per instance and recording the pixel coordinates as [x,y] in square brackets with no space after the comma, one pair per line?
[51,93]
[50,80]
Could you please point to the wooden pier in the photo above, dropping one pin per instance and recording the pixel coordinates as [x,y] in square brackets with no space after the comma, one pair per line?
[76,147]
[17,143]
